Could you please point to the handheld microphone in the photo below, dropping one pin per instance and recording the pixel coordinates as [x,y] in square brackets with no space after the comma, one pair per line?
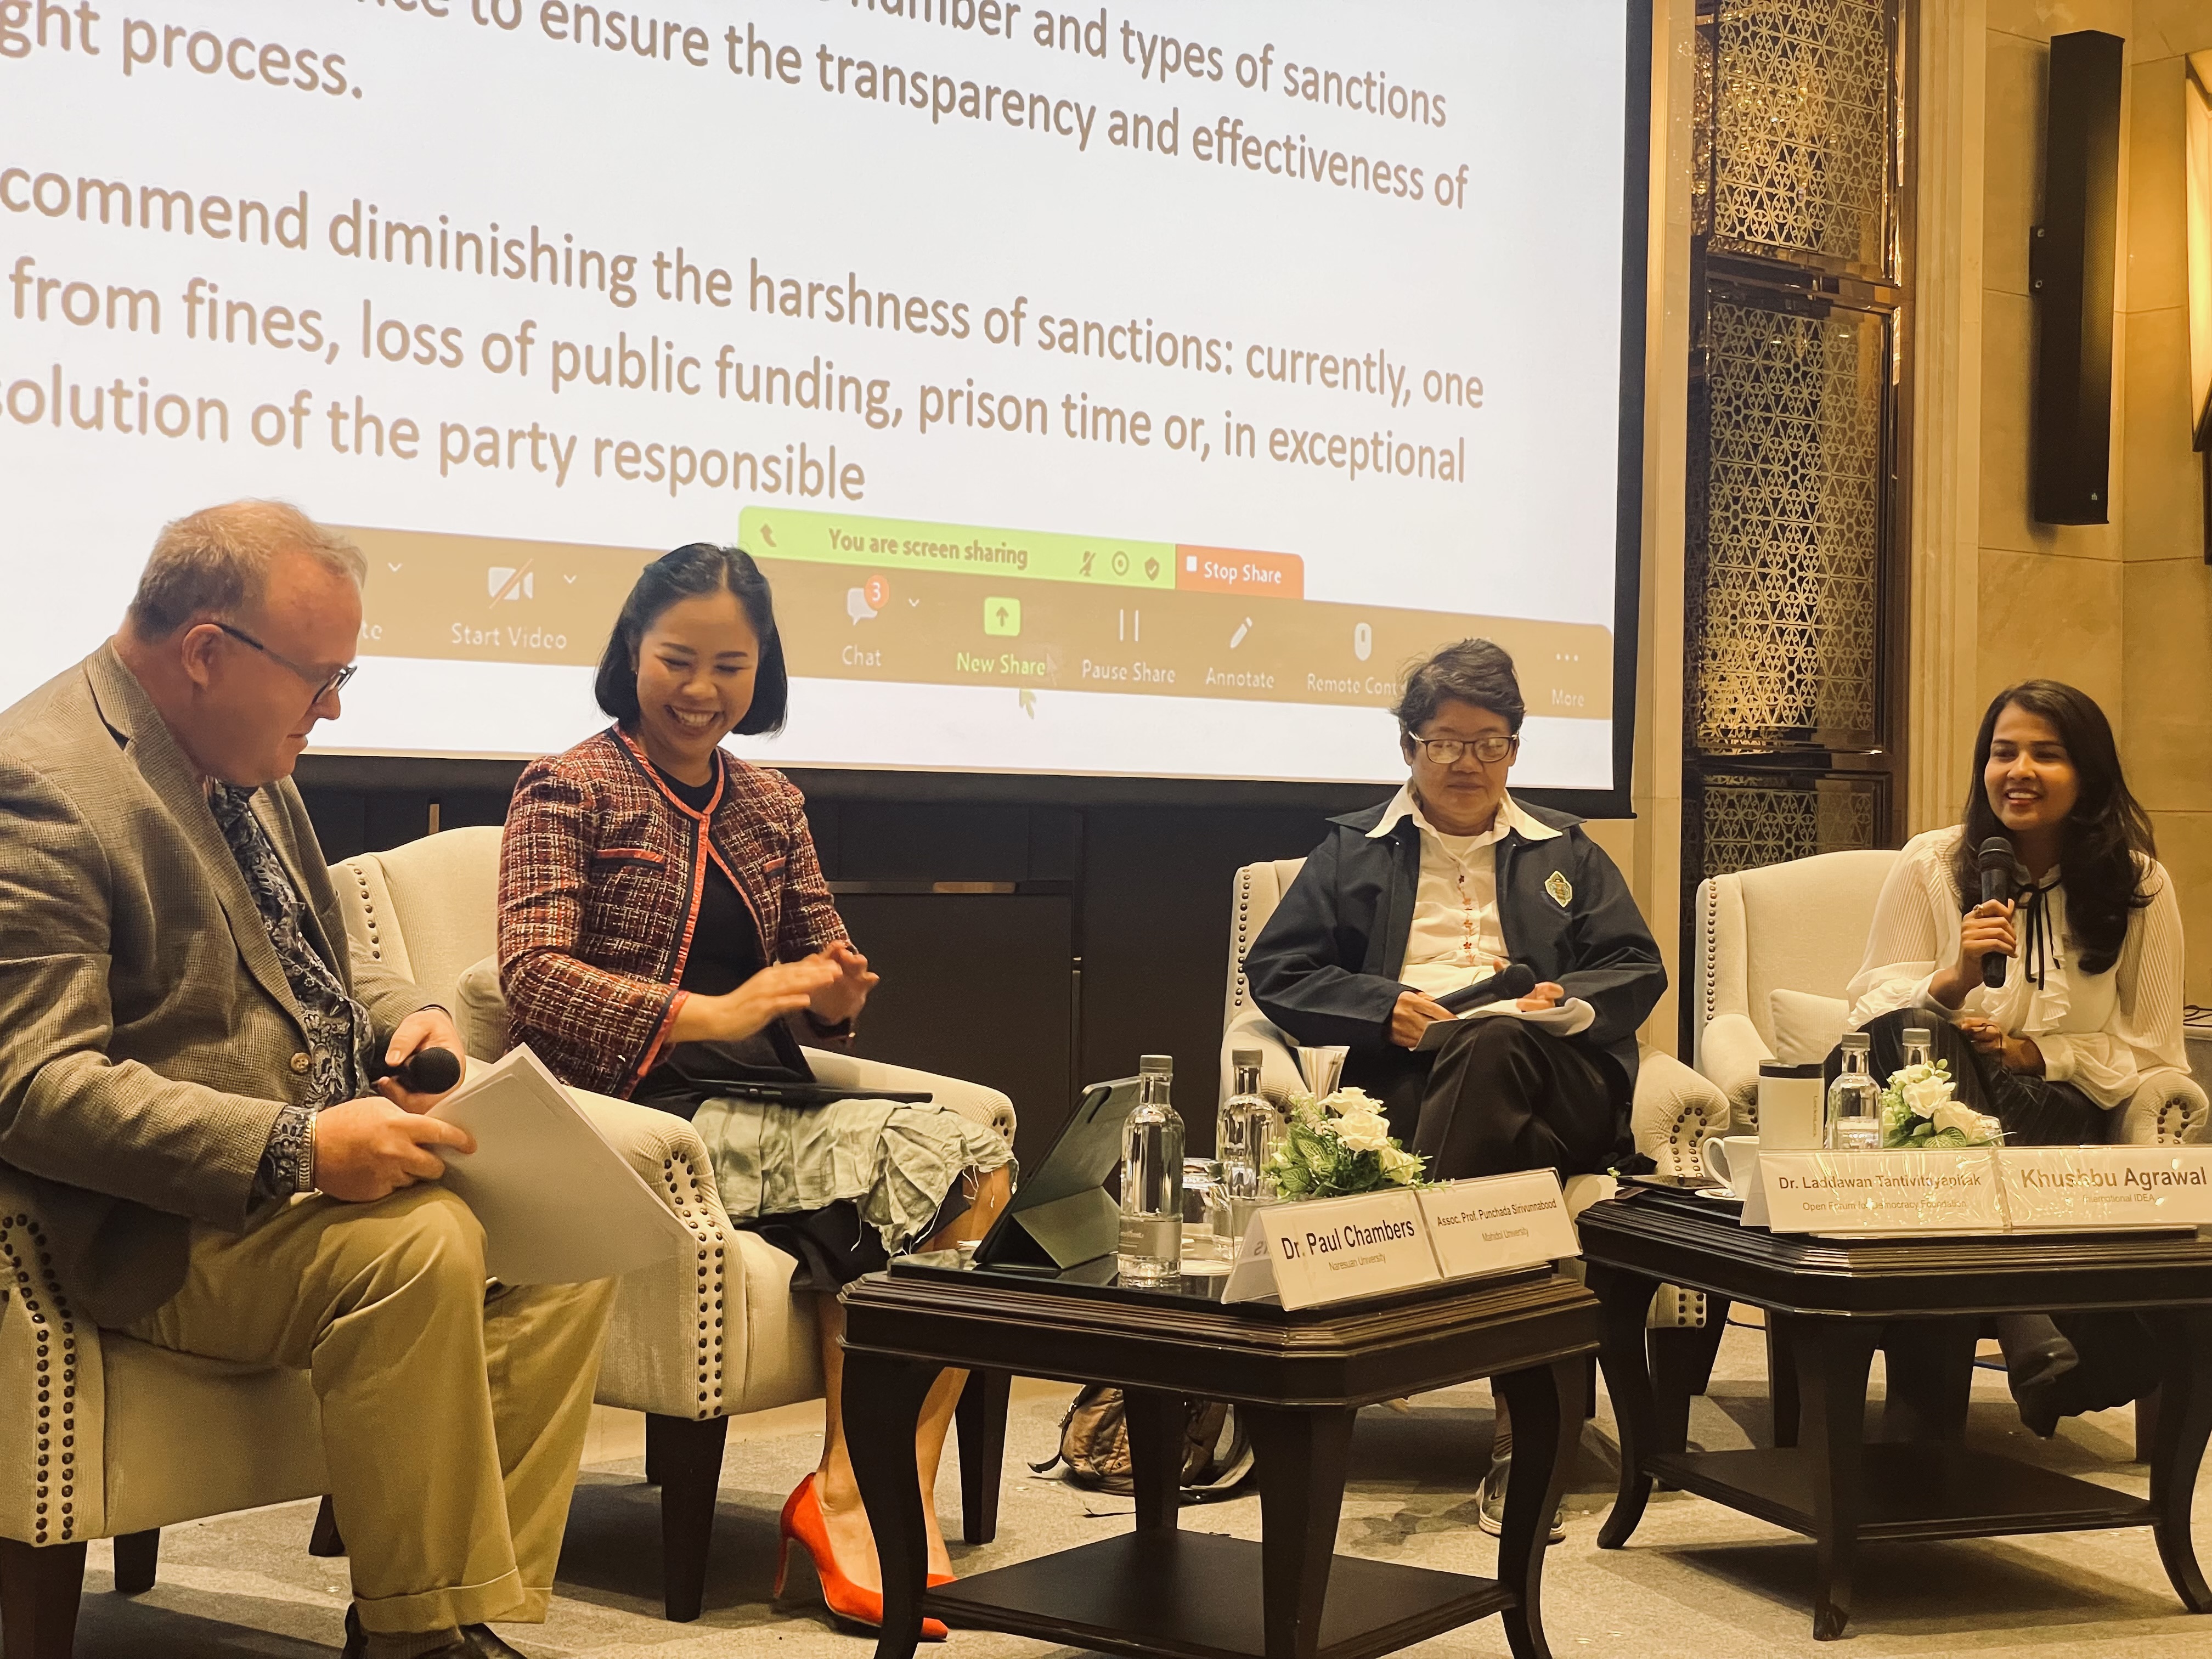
[425,1072]
[1514,981]
[1996,861]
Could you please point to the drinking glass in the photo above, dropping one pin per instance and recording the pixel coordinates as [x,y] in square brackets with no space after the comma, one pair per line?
[1322,1068]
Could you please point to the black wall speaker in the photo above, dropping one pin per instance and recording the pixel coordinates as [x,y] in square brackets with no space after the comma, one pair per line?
[2072,272]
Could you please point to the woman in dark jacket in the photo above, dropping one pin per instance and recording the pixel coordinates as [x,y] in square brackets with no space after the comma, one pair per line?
[1435,893]
[665,935]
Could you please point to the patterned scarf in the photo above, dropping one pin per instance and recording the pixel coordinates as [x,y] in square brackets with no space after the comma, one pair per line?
[340,1036]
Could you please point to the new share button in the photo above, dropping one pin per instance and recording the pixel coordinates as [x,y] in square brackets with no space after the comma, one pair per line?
[1002,617]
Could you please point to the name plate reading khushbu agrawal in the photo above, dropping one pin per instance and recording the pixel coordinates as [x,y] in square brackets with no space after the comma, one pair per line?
[2057,1189]
[1499,1223]
[1885,1192]
[1332,1249]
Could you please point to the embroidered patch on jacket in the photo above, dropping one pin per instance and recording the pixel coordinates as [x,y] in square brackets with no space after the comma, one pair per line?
[1561,890]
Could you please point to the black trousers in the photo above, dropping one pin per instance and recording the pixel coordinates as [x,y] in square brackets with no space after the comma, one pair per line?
[1501,1096]
[2035,1111]
[2118,1361]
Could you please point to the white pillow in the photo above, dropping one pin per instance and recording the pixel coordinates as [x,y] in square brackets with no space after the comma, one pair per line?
[1806,1027]
[482,1014]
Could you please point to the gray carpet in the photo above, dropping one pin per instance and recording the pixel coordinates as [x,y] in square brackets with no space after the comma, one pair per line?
[1697,1581]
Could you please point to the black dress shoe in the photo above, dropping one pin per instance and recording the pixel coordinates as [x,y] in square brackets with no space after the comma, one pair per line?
[357,1643]
[2041,1365]
[480,1641]
[2036,1351]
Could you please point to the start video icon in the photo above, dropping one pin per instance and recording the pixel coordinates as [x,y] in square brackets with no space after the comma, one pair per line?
[1002,617]
[505,582]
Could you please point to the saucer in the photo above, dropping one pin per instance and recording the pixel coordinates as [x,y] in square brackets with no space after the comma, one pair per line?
[1724,1193]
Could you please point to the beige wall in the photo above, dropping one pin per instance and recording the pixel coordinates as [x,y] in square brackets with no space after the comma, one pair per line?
[2122,610]
[2166,730]
[1649,847]
[2050,594]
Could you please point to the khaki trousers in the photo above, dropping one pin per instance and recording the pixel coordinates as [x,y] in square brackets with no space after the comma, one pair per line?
[452,1422]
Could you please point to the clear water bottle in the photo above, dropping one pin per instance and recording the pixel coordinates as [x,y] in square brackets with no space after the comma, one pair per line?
[1246,1131]
[1854,1100]
[1920,1045]
[1151,1181]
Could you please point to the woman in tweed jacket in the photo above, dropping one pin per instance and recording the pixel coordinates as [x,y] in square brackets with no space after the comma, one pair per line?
[664,926]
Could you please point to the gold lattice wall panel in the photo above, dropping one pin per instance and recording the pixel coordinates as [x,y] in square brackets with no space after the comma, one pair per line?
[1750,821]
[1786,539]
[1801,130]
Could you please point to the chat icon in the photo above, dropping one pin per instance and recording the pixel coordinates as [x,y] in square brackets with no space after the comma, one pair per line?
[857,606]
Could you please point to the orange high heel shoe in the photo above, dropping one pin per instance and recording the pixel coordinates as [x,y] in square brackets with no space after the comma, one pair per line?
[785,1528]
[802,1523]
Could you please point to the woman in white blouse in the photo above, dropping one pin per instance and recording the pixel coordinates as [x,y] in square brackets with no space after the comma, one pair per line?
[2092,995]
[2092,992]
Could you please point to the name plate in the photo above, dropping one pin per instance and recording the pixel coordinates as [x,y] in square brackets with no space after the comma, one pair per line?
[2056,1188]
[1332,1249]
[1499,1223]
[1886,1191]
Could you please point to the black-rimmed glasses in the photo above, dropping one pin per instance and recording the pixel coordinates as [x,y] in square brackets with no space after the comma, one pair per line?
[326,685]
[1446,752]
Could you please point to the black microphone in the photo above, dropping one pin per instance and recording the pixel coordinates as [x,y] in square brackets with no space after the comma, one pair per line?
[425,1072]
[1999,868]
[1515,980]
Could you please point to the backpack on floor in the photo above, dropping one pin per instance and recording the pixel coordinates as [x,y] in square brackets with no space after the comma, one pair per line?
[1094,1446]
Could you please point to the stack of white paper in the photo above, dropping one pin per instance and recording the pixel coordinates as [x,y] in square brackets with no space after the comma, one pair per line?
[559,1205]
[1563,1019]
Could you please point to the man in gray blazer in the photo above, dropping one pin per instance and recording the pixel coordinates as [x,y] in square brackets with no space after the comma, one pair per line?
[188,1060]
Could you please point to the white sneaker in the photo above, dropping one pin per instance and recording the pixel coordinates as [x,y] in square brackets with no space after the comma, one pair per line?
[1490,1502]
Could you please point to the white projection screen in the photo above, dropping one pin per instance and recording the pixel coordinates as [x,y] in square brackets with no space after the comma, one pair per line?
[1123,390]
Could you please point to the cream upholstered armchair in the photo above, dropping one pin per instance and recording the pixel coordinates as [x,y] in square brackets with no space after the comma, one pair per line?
[1777,947]
[105,1437]
[697,1341]
[1674,1110]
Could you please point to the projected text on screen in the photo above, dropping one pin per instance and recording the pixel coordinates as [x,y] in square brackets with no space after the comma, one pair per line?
[1131,389]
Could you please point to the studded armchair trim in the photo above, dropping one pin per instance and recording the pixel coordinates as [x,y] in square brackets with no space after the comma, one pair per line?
[2169,1109]
[677,1345]
[372,938]
[54,1491]
[688,1194]
[1240,994]
[366,899]
[1709,927]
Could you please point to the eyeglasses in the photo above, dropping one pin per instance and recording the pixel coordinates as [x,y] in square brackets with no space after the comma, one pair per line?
[1446,752]
[326,685]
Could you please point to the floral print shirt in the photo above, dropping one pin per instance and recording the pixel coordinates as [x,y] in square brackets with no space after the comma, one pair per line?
[340,1035]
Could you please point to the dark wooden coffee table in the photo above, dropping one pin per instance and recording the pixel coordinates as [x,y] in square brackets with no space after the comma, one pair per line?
[1828,1300]
[1298,1378]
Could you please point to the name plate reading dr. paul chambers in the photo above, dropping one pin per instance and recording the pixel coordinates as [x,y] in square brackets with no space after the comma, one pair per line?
[2055,1189]
[1332,1249]
[1886,1191]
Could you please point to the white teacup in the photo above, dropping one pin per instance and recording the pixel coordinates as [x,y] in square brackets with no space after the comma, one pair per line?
[1731,1161]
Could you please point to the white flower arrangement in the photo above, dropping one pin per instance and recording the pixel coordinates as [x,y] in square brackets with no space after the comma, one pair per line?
[1339,1146]
[1919,1114]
